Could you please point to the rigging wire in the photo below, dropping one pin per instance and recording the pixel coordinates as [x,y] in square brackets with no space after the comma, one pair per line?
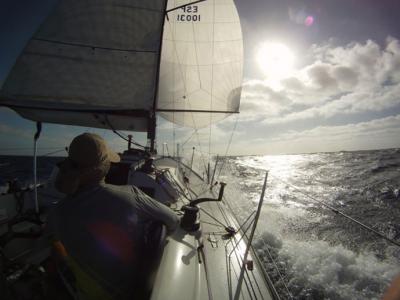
[189,138]
[336,211]
[282,278]
[54,152]
[215,219]
[204,152]
[228,146]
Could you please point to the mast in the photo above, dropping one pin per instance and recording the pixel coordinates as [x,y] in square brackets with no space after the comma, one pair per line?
[151,132]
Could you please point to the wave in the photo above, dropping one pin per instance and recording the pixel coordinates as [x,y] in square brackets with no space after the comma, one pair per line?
[320,254]
[316,269]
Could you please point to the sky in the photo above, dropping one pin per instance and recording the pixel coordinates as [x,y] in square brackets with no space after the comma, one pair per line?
[319,75]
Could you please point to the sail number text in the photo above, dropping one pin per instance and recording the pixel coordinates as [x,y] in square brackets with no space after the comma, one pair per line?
[189,14]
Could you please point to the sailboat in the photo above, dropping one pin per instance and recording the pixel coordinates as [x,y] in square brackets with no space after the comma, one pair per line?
[117,65]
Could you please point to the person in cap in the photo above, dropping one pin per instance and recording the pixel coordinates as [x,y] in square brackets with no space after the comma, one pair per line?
[98,228]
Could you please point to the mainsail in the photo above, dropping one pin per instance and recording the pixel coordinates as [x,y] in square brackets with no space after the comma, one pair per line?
[96,63]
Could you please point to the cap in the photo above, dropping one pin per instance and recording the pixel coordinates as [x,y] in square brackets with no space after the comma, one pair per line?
[90,149]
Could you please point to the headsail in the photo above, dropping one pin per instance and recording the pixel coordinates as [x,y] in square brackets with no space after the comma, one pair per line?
[91,62]
[201,63]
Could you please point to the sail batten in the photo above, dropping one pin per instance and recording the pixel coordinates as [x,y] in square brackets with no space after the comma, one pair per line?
[198,111]
[107,57]
[93,56]
[93,47]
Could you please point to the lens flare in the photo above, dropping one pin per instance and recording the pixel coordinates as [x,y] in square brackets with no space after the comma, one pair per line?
[309,21]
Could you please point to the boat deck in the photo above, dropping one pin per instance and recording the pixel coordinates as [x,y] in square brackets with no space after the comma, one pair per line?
[222,253]
[205,264]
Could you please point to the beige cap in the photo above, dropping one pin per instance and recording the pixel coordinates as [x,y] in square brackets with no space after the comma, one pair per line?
[90,149]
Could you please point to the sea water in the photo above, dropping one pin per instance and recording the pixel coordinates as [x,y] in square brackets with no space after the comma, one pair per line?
[309,251]
[314,252]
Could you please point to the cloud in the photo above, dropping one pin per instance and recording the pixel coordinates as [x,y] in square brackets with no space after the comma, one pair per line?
[320,77]
[377,133]
[351,79]
[372,134]
[370,128]
[14,135]
[258,99]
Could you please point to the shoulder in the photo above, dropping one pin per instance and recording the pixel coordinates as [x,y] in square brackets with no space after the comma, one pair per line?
[123,193]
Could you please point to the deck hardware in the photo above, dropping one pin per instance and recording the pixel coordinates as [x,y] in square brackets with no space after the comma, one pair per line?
[191,161]
[250,265]
[213,240]
[213,175]
[129,141]
[250,240]
[199,249]
[190,220]
[35,139]
[208,173]
[230,232]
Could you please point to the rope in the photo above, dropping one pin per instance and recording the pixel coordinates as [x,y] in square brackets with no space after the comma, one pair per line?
[215,219]
[120,135]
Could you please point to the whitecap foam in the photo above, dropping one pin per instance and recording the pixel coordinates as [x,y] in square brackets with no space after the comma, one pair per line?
[353,264]
[337,271]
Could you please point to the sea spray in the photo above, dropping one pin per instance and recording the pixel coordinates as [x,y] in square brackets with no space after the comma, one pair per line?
[318,253]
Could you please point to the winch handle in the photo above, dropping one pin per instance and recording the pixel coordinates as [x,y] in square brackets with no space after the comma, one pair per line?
[201,200]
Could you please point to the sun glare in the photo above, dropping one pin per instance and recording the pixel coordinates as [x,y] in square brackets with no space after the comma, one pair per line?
[275,60]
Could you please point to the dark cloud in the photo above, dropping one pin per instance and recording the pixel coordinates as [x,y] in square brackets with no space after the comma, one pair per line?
[320,76]
[345,76]
[293,83]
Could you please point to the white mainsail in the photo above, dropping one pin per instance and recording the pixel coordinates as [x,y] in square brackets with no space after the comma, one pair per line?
[96,63]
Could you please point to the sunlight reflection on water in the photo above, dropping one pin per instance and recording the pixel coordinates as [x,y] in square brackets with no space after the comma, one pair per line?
[321,254]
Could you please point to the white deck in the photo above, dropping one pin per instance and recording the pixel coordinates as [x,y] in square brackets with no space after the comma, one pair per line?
[216,263]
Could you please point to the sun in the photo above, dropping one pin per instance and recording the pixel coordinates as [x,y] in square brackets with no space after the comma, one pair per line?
[275,60]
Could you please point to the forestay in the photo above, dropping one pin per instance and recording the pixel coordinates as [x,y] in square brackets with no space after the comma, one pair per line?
[91,63]
[201,63]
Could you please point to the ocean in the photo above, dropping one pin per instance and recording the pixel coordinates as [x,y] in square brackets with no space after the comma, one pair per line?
[309,251]
[20,167]
[321,254]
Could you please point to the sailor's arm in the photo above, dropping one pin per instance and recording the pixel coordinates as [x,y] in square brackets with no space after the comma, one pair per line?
[156,210]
